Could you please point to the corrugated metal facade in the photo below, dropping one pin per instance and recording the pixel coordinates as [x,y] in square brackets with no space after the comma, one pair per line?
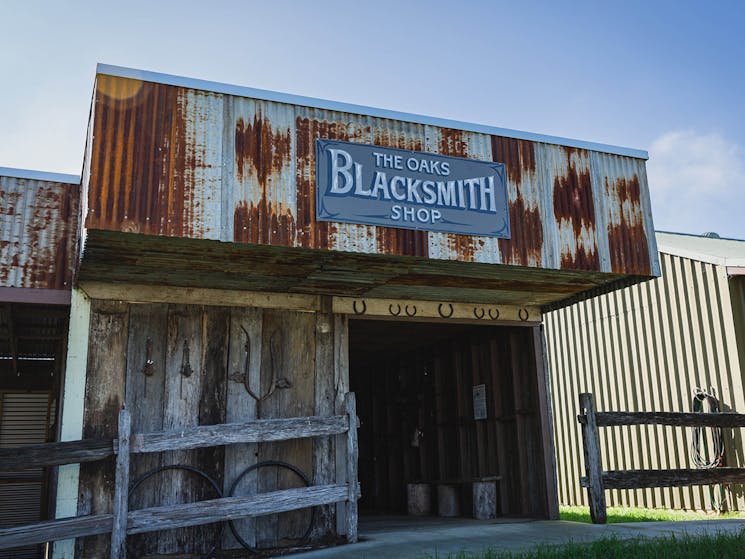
[24,419]
[646,348]
[38,232]
[174,161]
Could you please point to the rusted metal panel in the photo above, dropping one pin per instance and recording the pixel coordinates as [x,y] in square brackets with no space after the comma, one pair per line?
[622,197]
[38,231]
[525,190]
[311,124]
[172,161]
[155,160]
[572,230]
[258,158]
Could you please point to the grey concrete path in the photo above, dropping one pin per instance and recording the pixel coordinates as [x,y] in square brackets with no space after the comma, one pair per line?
[402,538]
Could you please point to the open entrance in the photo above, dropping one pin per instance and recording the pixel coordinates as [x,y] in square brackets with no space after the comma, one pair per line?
[33,339]
[450,419]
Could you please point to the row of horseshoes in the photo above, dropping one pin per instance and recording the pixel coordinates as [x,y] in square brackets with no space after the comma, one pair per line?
[411,311]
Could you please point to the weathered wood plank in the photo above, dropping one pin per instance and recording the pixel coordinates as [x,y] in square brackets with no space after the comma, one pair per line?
[218,510]
[643,479]
[259,431]
[146,368]
[104,397]
[593,464]
[53,454]
[546,423]
[53,530]
[244,369]
[352,455]
[675,419]
[341,387]
[121,489]
[436,311]
[324,468]
[181,398]
[141,293]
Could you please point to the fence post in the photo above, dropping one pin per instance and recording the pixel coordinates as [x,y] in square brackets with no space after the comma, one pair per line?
[352,482]
[121,489]
[593,464]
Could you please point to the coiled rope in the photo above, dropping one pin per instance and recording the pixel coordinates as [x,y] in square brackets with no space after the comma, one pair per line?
[702,456]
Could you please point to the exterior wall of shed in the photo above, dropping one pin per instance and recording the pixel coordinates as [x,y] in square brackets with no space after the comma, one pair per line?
[174,161]
[307,349]
[646,348]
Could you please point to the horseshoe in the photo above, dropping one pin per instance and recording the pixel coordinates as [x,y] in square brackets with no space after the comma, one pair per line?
[476,312]
[494,316]
[442,314]
[390,309]
[520,314]
[354,307]
[407,311]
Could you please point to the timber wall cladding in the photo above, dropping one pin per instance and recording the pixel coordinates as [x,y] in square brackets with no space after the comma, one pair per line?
[179,366]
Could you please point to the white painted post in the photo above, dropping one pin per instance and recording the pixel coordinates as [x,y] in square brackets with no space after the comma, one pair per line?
[72,401]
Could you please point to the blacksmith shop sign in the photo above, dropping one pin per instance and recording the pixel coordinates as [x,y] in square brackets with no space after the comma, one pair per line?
[373,185]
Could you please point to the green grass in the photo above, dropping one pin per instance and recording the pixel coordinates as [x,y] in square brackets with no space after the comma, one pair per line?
[625,514]
[682,547]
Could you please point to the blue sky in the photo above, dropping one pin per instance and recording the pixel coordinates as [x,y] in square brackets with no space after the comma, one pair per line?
[663,76]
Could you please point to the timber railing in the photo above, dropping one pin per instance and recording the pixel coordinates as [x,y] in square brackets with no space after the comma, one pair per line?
[122,522]
[596,480]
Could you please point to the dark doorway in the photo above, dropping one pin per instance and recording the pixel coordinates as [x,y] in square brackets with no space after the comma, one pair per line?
[33,339]
[446,405]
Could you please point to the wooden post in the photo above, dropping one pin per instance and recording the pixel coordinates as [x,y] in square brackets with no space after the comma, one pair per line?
[593,465]
[121,489]
[352,455]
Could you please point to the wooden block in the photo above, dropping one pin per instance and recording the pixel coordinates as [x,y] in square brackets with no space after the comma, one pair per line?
[484,500]
[448,503]
[419,499]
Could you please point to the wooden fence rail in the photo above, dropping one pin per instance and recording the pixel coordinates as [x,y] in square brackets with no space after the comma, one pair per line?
[123,522]
[596,481]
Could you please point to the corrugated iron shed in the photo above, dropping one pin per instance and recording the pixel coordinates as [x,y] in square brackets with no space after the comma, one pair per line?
[38,229]
[179,158]
[645,348]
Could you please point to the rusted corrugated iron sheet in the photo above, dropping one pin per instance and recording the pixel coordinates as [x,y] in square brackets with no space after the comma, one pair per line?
[38,229]
[168,160]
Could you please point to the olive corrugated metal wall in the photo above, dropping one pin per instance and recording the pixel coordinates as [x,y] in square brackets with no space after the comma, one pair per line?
[182,162]
[646,348]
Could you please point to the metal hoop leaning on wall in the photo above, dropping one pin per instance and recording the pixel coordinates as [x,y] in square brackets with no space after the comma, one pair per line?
[267,463]
[187,468]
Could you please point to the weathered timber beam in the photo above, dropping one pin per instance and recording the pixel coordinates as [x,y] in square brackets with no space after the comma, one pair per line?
[54,454]
[263,430]
[52,530]
[142,293]
[439,311]
[228,508]
[676,419]
[645,479]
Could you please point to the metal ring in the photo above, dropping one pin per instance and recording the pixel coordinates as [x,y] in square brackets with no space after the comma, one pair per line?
[390,309]
[476,312]
[442,314]
[186,468]
[354,307]
[520,314]
[494,317]
[407,311]
[279,464]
